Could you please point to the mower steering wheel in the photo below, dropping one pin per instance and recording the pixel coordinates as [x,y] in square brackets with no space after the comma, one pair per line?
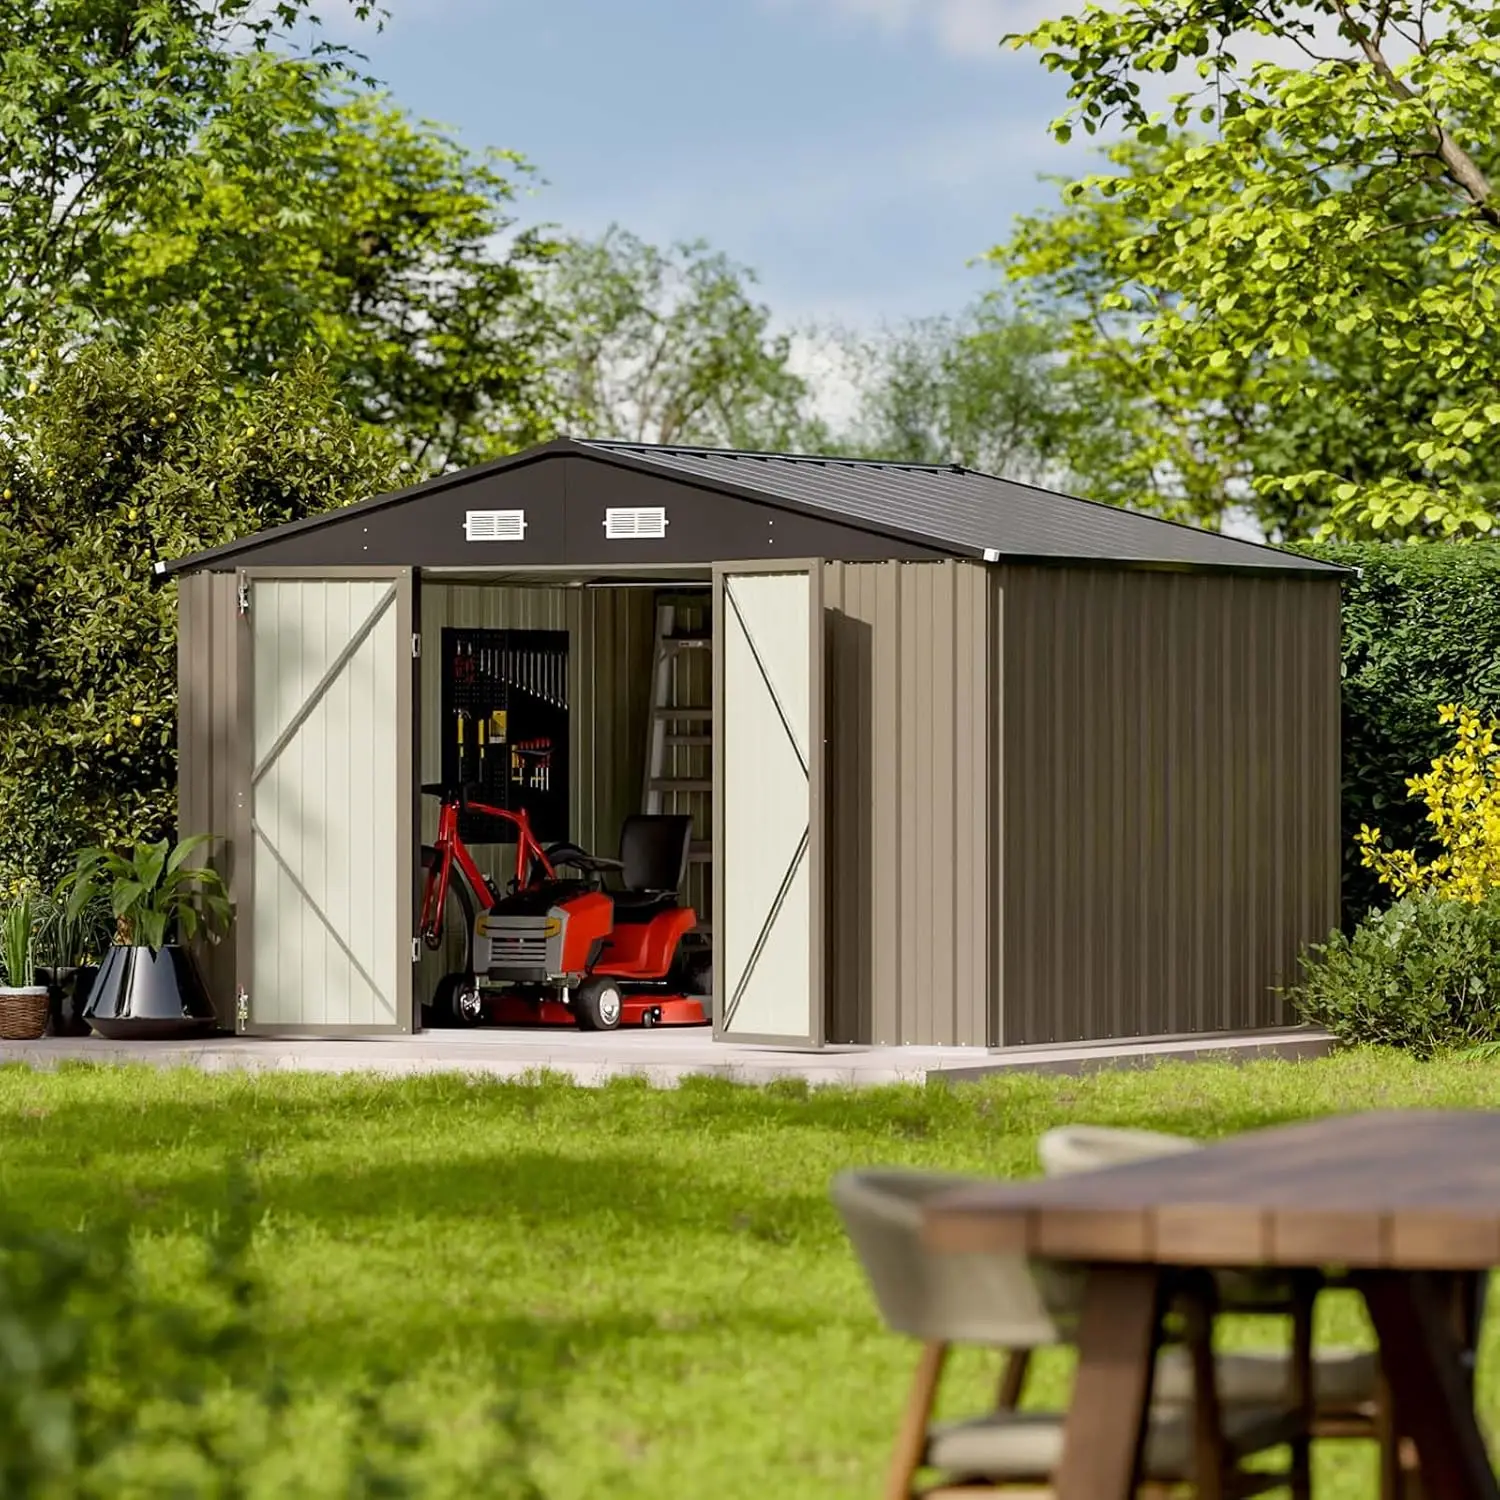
[581,859]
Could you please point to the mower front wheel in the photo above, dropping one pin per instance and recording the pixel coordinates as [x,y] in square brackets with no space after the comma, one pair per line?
[457,1002]
[598,1005]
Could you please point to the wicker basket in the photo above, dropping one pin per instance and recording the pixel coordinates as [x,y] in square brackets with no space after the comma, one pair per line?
[23,1014]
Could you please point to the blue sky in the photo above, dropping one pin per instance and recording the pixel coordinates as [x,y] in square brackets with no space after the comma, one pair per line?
[856,153]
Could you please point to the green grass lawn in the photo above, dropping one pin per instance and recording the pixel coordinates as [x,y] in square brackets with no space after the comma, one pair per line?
[657,1275]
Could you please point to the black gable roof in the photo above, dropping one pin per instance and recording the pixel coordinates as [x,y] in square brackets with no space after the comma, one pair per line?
[946,510]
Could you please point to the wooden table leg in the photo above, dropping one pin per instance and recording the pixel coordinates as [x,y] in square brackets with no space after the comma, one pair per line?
[1422,1358]
[1105,1429]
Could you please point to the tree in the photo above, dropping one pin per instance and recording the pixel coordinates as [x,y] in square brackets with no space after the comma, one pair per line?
[101,102]
[176,157]
[370,239]
[988,389]
[108,461]
[1305,297]
[668,346]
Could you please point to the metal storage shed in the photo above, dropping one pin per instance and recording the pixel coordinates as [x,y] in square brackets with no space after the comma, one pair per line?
[991,765]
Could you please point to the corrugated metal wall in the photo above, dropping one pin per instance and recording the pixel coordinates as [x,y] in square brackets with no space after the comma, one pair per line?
[1170,783]
[207,737]
[610,636]
[910,803]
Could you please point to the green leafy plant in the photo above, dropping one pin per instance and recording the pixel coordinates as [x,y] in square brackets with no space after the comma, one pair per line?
[68,938]
[1420,628]
[1423,975]
[153,892]
[18,940]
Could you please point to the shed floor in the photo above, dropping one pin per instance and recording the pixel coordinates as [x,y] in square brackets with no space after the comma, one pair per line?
[662,1057]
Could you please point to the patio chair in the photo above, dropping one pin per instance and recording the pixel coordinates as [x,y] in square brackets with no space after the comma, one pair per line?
[1349,1395]
[1001,1301]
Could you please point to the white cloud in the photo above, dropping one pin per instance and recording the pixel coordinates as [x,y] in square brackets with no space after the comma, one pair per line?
[963,28]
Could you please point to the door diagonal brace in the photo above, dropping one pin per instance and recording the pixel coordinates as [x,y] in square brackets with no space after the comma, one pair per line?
[766,678]
[765,930]
[317,911]
[338,664]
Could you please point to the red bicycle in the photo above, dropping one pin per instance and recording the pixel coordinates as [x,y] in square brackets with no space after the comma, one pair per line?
[450,869]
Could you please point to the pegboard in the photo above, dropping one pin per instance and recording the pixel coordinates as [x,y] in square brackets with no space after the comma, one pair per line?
[504,707]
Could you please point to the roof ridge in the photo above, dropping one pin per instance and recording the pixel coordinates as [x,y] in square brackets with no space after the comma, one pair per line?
[619,445]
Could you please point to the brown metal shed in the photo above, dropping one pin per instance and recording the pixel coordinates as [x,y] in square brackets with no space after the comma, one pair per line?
[990,764]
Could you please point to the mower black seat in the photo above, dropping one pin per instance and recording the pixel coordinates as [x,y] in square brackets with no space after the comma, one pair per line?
[641,906]
[654,859]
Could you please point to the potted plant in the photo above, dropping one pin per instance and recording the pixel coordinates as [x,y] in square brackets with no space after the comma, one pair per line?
[149,985]
[70,943]
[23,1002]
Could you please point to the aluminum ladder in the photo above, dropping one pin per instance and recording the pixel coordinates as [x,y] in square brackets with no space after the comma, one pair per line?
[681,731]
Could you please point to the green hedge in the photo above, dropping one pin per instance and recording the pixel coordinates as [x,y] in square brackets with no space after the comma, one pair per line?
[1421,627]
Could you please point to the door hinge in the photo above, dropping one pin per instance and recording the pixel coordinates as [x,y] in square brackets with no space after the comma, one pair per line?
[416,645]
[416,950]
[241,1009]
[242,596]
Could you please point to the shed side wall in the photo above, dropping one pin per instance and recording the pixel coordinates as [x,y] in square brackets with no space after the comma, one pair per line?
[207,730]
[1170,798]
[909,804]
[610,642]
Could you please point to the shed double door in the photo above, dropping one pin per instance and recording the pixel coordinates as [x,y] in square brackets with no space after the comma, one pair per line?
[768,803]
[326,850]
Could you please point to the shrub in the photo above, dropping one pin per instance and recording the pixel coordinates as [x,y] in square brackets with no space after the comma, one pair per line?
[116,458]
[1421,628]
[1462,793]
[1424,974]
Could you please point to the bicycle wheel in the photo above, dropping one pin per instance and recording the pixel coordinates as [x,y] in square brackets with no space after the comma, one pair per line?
[457,946]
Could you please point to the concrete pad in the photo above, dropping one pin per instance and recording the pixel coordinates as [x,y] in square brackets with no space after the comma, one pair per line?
[661,1057]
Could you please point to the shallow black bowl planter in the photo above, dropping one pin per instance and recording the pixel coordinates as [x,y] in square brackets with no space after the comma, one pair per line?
[68,992]
[146,995]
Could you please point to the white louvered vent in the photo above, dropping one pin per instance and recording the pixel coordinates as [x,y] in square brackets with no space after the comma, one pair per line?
[494,525]
[647,521]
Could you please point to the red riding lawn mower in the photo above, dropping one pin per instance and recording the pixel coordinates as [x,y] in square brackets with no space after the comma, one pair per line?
[567,951]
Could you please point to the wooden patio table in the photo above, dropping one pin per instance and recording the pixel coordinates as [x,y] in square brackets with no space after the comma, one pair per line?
[1406,1204]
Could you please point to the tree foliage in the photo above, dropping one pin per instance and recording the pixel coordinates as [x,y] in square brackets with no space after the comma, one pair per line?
[990,389]
[109,461]
[101,104]
[1304,296]
[369,239]
[177,157]
[670,346]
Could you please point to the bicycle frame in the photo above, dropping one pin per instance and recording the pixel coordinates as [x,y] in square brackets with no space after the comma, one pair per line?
[452,850]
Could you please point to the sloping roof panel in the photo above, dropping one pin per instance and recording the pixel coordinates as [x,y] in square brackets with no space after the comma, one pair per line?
[963,508]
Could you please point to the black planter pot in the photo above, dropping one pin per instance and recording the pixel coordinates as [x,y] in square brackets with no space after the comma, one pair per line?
[146,995]
[68,993]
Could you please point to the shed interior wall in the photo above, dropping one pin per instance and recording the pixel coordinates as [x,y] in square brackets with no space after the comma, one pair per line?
[1169,789]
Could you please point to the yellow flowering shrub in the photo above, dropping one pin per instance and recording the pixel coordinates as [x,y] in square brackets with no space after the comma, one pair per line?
[1462,792]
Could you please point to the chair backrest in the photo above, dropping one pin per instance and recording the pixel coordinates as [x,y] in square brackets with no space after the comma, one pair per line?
[1089,1148]
[654,850]
[1003,1300]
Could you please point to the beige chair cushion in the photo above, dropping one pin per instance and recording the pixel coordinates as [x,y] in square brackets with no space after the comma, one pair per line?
[1342,1378]
[1029,1445]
